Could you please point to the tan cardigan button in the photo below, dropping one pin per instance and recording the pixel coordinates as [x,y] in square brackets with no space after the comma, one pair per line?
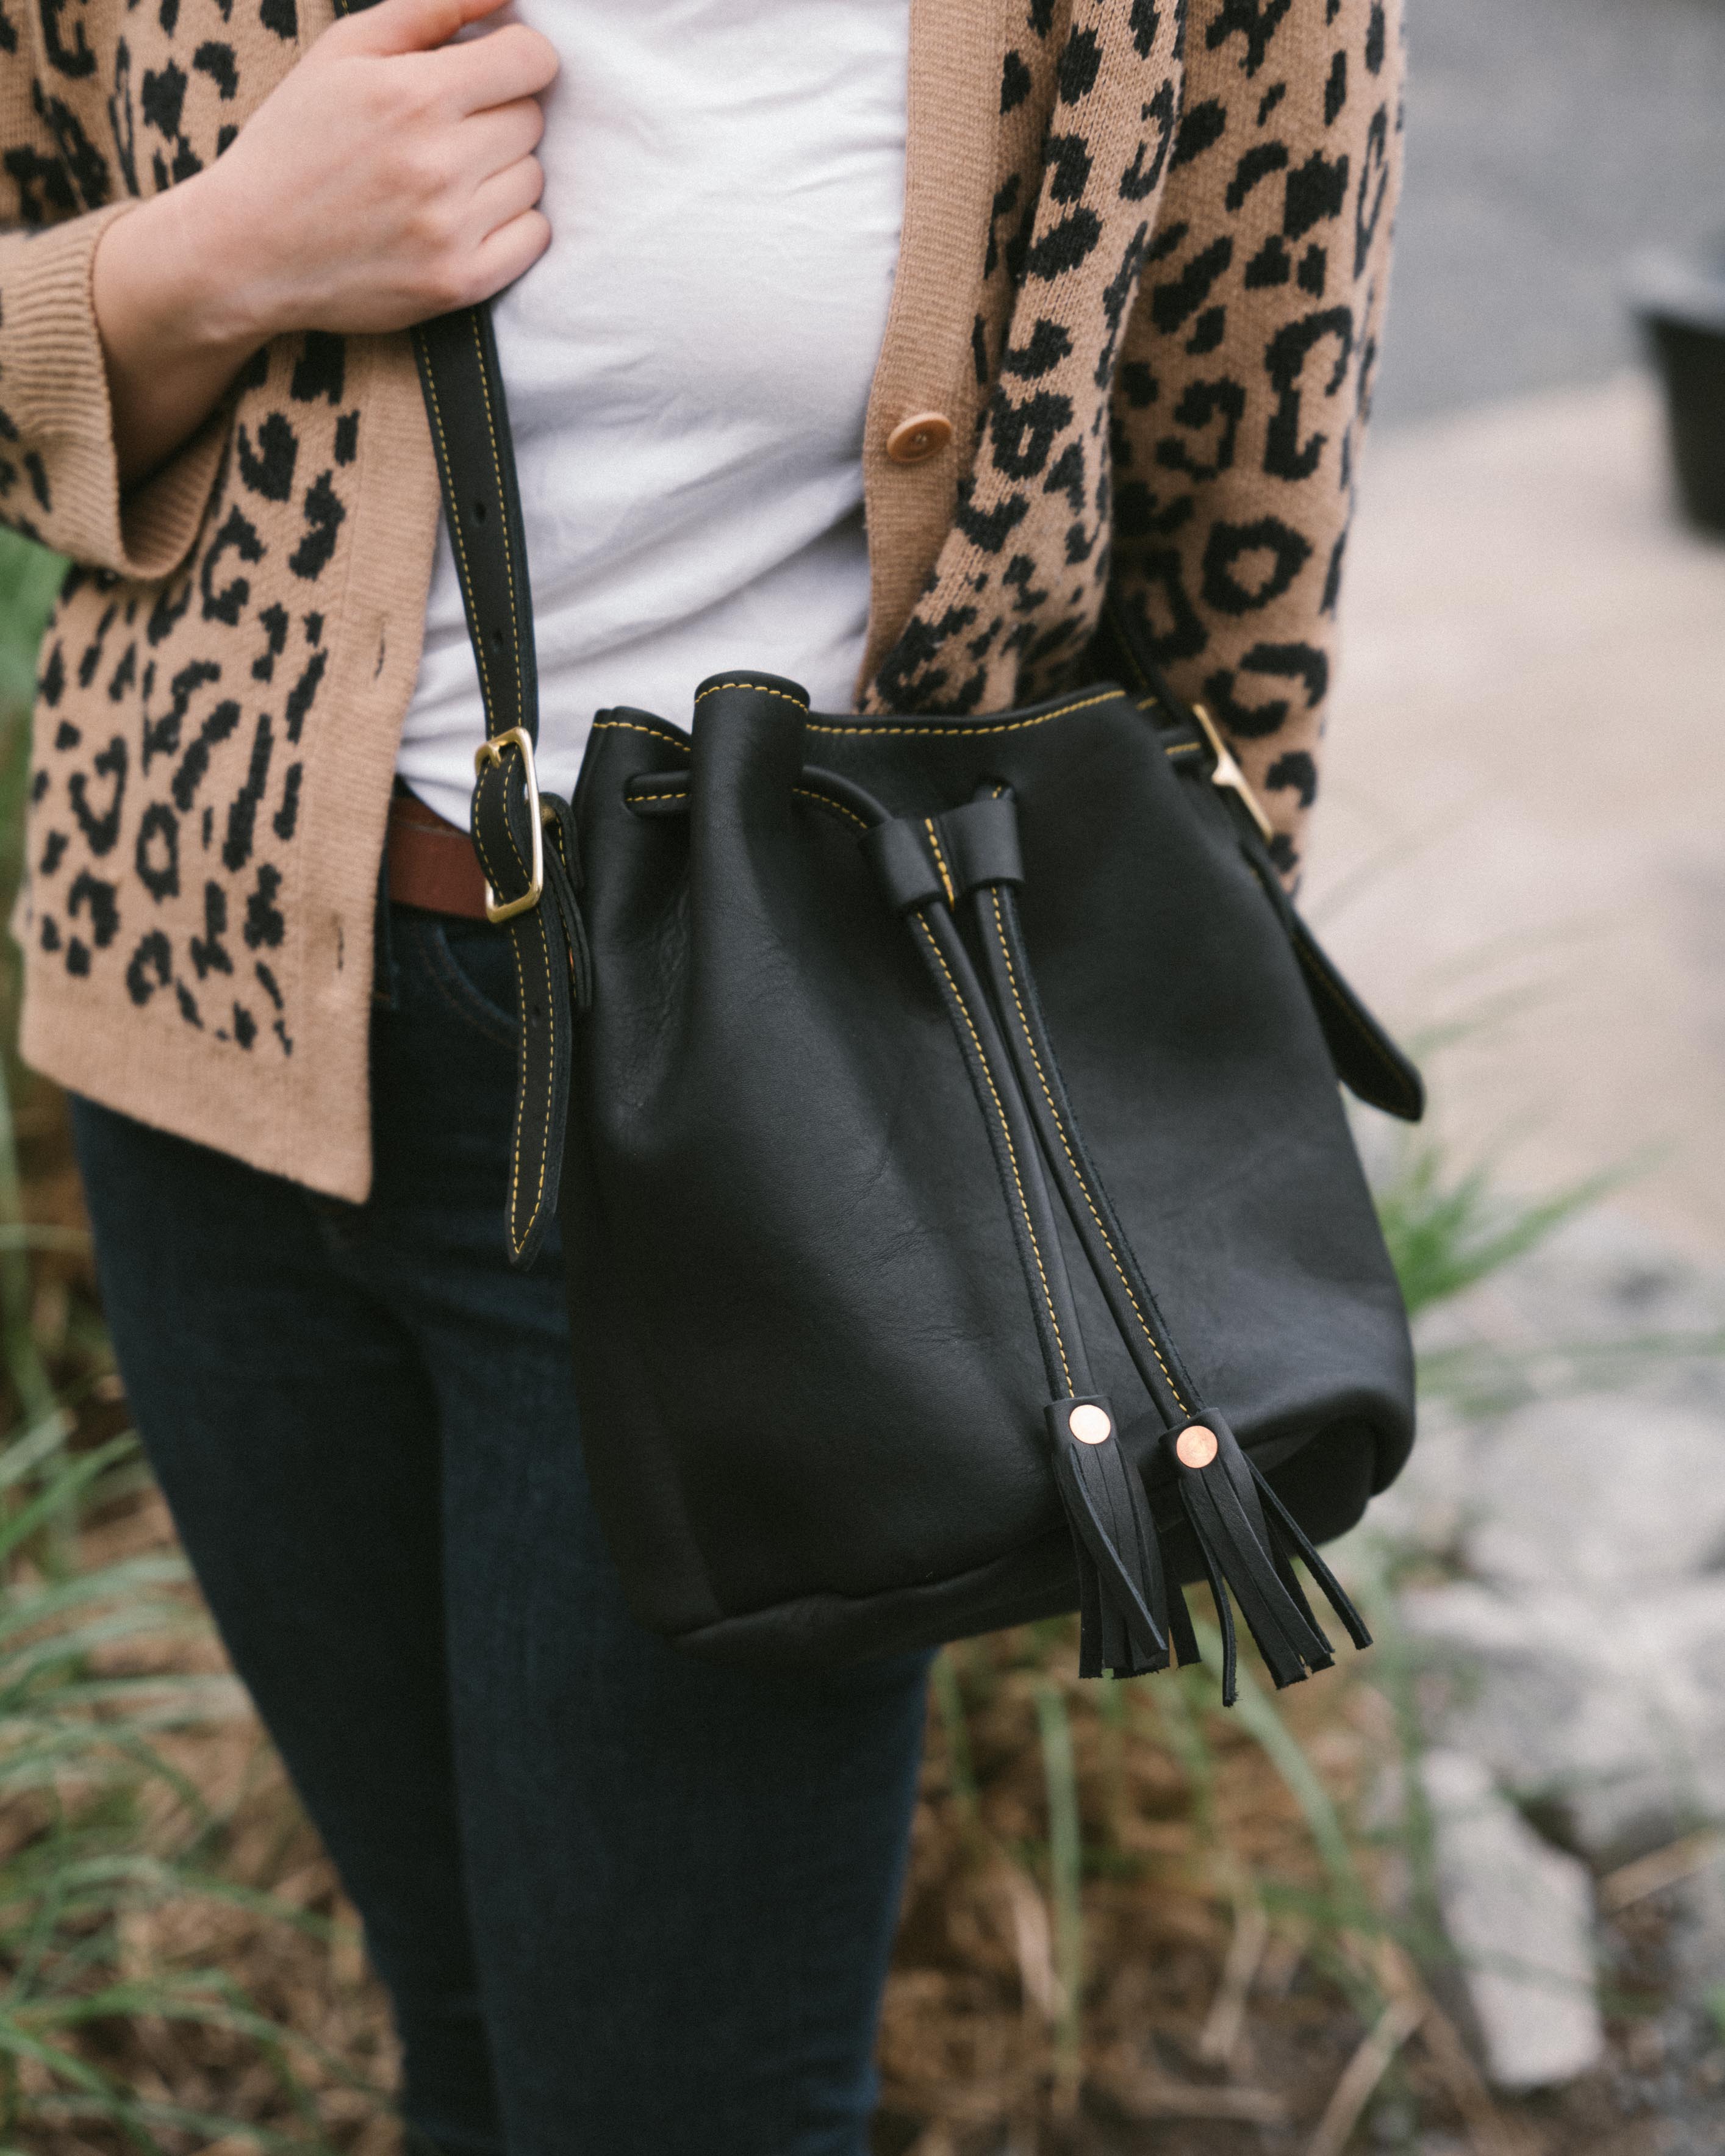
[922,435]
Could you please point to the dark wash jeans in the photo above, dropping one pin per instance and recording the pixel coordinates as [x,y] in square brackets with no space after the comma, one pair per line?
[624,1903]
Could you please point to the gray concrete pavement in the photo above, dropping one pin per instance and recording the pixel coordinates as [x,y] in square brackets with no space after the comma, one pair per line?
[1523,824]
[1547,141]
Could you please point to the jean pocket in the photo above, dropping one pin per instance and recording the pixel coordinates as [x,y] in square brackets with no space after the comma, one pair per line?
[473,972]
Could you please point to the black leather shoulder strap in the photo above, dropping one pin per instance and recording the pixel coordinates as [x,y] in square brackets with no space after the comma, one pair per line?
[463,382]
[525,840]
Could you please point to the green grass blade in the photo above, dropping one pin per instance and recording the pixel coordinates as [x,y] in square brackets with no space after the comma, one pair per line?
[955,1728]
[20,1456]
[1065,1857]
[59,1496]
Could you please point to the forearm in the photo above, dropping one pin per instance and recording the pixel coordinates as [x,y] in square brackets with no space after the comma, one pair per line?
[172,342]
[59,480]
[1246,375]
[390,176]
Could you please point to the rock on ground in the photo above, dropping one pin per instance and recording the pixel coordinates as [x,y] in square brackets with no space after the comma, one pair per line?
[1567,1493]
[1608,1711]
[1520,1917]
[1585,1510]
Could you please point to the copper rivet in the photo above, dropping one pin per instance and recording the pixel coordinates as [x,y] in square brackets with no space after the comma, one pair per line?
[920,436]
[1089,1425]
[1196,1447]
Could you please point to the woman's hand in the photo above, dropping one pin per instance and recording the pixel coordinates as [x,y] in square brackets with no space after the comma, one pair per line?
[389,177]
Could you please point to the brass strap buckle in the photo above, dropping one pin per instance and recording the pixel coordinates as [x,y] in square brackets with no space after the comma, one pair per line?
[492,751]
[1228,774]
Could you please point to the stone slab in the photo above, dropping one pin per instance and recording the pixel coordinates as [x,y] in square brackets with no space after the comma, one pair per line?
[1522,827]
[1519,1915]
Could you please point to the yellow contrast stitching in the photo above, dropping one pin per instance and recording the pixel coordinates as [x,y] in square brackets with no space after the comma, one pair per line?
[676,740]
[803,793]
[1065,1147]
[521,700]
[437,418]
[508,555]
[539,1191]
[510,835]
[1148,704]
[962,727]
[808,794]
[1005,1132]
[634,727]
[940,859]
[520,1101]
[758,689]
[479,841]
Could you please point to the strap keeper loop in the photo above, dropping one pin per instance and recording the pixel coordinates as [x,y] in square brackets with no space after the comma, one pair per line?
[981,840]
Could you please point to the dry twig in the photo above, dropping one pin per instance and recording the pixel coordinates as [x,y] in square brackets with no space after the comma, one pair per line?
[1365,2070]
[1663,1867]
[1146,2094]
[1219,2039]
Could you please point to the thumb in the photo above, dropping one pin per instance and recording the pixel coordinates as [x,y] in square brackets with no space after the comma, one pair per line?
[408,26]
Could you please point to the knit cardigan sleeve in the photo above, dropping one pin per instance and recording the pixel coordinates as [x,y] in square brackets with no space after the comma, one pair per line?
[59,477]
[1246,368]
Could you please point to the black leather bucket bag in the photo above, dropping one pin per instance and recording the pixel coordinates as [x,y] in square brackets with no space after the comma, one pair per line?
[962,1222]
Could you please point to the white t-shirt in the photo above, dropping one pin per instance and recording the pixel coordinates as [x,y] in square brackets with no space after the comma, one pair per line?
[688,365]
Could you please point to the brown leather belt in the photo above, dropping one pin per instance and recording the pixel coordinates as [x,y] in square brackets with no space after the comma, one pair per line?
[432,863]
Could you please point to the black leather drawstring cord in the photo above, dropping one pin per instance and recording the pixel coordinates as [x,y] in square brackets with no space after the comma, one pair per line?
[524,839]
[968,861]
[911,871]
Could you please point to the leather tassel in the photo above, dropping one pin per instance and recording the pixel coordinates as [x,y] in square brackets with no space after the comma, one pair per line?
[1285,1529]
[1244,1533]
[1122,1596]
[1181,1637]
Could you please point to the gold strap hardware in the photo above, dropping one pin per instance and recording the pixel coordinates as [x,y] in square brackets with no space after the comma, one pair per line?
[1229,775]
[492,751]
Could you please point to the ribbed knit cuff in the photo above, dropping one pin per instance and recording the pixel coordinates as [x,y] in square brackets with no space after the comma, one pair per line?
[58,426]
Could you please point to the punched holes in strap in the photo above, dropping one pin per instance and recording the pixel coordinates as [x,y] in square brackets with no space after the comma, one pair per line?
[469,427]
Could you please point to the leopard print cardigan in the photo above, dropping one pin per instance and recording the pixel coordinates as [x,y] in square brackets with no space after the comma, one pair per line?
[1143,265]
